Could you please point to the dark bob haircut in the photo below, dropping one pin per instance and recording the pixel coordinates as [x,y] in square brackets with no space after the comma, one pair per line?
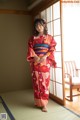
[43,23]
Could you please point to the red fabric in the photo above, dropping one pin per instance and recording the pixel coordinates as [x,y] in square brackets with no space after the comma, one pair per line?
[41,71]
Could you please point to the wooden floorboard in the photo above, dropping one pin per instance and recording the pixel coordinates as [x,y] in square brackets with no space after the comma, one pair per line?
[75,104]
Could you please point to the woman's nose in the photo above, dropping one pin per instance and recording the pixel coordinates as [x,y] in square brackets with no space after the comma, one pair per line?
[39,27]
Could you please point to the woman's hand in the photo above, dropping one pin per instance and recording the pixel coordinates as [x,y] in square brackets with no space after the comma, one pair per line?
[42,58]
[36,59]
[39,60]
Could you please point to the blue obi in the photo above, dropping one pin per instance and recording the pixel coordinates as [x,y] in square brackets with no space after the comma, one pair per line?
[41,48]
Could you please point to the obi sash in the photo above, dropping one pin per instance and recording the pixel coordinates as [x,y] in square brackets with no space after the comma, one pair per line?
[41,48]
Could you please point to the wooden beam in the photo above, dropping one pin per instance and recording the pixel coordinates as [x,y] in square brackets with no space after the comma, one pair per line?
[30,2]
[18,12]
[42,5]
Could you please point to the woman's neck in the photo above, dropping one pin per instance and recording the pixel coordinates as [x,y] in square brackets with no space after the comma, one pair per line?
[40,34]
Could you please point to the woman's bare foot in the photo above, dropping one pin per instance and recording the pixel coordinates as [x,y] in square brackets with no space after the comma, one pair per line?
[44,109]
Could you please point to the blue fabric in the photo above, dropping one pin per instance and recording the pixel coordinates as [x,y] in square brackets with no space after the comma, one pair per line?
[38,50]
[41,45]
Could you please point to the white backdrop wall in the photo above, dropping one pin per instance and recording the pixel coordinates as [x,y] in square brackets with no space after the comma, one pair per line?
[71,31]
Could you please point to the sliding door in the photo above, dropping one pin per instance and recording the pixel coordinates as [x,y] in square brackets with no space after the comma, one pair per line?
[52,15]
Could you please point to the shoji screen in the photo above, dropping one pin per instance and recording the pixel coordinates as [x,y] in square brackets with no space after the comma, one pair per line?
[52,15]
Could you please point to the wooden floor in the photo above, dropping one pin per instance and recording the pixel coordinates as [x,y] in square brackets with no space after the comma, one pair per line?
[75,104]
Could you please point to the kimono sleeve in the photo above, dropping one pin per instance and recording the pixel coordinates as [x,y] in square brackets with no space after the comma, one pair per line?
[30,53]
[50,54]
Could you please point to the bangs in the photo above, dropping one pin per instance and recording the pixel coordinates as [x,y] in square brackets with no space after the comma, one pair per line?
[39,21]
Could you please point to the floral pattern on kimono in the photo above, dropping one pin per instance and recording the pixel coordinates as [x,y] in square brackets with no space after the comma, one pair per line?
[40,46]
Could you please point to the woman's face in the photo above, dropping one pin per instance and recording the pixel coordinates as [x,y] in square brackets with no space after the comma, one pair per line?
[40,28]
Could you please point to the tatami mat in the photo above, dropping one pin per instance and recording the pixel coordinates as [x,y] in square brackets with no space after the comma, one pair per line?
[21,105]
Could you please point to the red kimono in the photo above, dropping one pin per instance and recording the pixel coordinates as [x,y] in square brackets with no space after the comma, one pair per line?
[40,46]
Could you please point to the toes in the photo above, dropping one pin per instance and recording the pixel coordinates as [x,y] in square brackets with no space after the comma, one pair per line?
[44,109]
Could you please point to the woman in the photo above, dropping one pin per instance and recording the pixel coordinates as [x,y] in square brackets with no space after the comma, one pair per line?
[41,47]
